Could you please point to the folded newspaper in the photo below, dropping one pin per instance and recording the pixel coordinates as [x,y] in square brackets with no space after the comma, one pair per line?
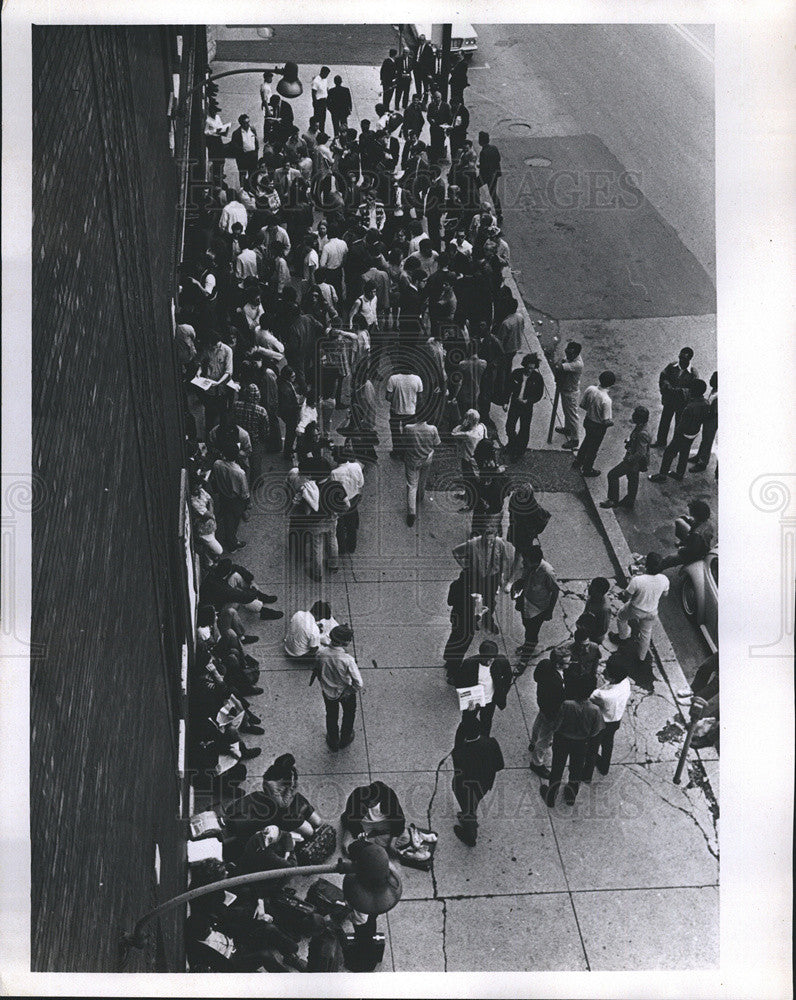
[469,697]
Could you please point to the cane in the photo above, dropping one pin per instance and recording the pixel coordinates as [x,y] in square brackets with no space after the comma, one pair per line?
[553,414]
[698,706]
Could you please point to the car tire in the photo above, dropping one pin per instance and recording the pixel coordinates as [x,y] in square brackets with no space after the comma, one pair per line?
[688,598]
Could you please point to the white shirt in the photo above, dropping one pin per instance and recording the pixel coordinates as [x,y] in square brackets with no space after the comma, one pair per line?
[253,311]
[320,87]
[403,390]
[414,243]
[645,591]
[325,626]
[231,213]
[302,634]
[485,679]
[597,404]
[248,139]
[265,94]
[310,263]
[612,700]
[351,476]
[246,264]
[333,254]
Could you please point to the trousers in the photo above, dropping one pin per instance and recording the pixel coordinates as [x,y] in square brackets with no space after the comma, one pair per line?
[416,478]
[468,794]
[679,446]
[630,471]
[348,703]
[593,434]
[599,751]
[542,740]
[569,404]
[518,426]
[645,622]
[566,749]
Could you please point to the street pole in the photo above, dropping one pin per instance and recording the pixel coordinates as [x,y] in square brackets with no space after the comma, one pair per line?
[698,706]
[445,68]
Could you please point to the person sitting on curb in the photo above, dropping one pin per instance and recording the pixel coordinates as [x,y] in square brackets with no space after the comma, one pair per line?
[303,638]
[694,532]
[373,812]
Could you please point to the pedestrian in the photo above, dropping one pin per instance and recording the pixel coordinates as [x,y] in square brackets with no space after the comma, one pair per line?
[493,673]
[689,424]
[439,118]
[348,471]
[303,638]
[387,75]
[489,171]
[581,659]
[231,488]
[340,680]
[338,101]
[467,435]
[674,383]
[419,439]
[549,699]
[568,373]
[403,78]
[460,601]
[525,389]
[402,390]
[476,761]
[611,699]
[596,402]
[320,93]
[710,425]
[424,67]
[579,722]
[535,595]
[510,333]
[253,418]
[596,615]
[472,368]
[636,460]
[694,532]
[243,146]
[492,488]
[289,407]
[642,595]
[458,79]
[489,560]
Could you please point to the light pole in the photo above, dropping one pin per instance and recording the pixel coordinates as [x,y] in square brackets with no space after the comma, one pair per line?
[289,86]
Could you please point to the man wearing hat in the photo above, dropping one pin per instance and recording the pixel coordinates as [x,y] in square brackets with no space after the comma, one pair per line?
[340,680]
[493,673]
[476,760]
[243,146]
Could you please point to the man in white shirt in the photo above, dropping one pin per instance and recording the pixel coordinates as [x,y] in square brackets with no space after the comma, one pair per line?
[320,91]
[246,263]
[420,440]
[340,680]
[568,373]
[349,473]
[611,699]
[642,593]
[333,256]
[234,211]
[265,96]
[304,637]
[403,388]
[597,404]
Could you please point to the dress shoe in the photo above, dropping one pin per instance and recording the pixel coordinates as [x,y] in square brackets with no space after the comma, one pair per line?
[627,503]
[332,744]
[541,770]
[347,740]
[252,690]
[410,519]
[676,476]
[250,753]
[570,446]
[269,615]
[251,661]
[608,504]
[591,473]
[602,768]
[569,795]
[543,791]
[253,730]
[236,546]
[657,478]
[267,598]
[248,639]
[699,467]
[561,430]
[463,836]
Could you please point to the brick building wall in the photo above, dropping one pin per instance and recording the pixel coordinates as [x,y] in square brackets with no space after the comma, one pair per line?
[107,568]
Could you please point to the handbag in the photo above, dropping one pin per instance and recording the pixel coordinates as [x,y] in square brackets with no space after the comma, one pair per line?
[328,899]
[319,847]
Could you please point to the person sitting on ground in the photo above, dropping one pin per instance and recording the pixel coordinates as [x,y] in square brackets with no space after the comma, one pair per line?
[373,812]
[270,849]
[226,584]
[596,615]
[304,637]
[694,532]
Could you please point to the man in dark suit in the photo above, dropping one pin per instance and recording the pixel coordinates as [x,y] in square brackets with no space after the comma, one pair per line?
[425,66]
[439,117]
[413,117]
[458,79]
[489,170]
[476,761]
[243,146]
[525,388]
[338,102]
[282,112]
[387,75]
[494,673]
[403,78]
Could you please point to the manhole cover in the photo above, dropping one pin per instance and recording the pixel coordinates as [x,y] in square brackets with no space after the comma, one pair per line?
[536,161]
[519,126]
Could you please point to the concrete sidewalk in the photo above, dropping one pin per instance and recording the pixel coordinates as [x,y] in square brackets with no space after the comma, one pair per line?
[625,879]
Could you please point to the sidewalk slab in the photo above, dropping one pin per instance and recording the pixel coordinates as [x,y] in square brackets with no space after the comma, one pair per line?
[661,929]
[514,933]
[417,935]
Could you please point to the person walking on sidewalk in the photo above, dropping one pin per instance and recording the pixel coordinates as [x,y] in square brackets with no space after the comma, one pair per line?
[467,436]
[710,425]
[231,488]
[597,404]
[348,471]
[674,383]
[476,761]
[642,595]
[320,94]
[340,681]
[636,460]
[596,615]
[402,390]
[387,78]
[689,423]
[460,601]
[489,171]
[535,595]
[568,373]
[509,332]
[580,721]
[611,699]
[489,560]
[338,102]
[549,699]
[420,438]
[525,389]
[493,673]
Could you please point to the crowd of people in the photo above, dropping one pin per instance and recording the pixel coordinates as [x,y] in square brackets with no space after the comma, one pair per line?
[351,266]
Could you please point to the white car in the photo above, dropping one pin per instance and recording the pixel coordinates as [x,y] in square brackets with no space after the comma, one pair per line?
[699,595]
[464,37]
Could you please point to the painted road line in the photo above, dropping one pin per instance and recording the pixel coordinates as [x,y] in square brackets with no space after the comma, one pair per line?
[693,41]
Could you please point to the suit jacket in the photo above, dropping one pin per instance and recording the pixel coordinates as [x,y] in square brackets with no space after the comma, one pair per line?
[426,58]
[413,119]
[467,676]
[403,65]
[534,387]
[236,142]
[387,71]
[439,114]
[489,162]
[339,101]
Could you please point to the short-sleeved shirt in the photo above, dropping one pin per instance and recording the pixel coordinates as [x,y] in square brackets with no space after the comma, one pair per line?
[217,361]
[646,590]
[302,634]
[352,478]
[571,371]
[420,440]
[597,404]
[612,700]
[338,672]
[405,389]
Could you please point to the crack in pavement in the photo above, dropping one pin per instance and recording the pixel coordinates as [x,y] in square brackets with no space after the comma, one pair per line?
[444,936]
[713,850]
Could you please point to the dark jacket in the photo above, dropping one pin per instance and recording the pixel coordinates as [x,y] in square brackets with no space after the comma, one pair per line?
[489,163]
[674,383]
[236,143]
[289,402]
[338,101]
[439,114]
[476,763]
[414,120]
[360,800]
[467,676]
[426,59]
[549,689]
[534,387]
[387,71]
